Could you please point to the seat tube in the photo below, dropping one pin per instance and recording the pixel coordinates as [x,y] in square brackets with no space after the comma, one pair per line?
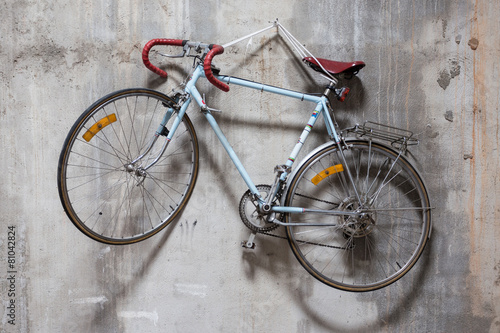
[304,134]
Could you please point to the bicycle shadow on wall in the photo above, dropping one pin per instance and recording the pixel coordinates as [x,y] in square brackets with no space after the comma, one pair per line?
[383,308]
[357,149]
[313,82]
[393,303]
[120,271]
[272,254]
[310,81]
[156,82]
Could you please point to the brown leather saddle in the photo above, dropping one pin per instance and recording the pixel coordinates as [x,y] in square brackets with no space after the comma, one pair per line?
[336,68]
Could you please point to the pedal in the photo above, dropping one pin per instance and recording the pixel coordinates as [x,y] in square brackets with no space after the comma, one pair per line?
[249,244]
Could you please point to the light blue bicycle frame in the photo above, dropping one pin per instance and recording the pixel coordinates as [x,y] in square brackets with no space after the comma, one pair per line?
[321,109]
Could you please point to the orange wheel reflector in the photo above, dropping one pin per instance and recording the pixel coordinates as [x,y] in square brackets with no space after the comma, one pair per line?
[99,126]
[327,172]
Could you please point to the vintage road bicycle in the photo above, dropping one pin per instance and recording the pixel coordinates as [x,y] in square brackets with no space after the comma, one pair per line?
[356,212]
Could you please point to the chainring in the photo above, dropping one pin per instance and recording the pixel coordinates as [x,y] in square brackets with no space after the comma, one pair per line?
[250,214]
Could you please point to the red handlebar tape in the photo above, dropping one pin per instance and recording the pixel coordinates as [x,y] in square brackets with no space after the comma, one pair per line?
[149,45]
[207,66]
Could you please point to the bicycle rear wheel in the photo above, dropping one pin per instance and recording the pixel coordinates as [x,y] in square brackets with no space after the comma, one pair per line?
[105,195]
[378,246]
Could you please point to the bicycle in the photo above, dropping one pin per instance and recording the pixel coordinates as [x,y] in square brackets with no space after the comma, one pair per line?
[356,212]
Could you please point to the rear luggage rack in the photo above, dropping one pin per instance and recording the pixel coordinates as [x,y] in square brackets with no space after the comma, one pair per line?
[399,138]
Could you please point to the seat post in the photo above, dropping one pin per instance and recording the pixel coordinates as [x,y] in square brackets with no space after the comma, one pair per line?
[329,88]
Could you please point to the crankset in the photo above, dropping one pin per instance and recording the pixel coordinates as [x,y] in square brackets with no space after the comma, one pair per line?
[251,216]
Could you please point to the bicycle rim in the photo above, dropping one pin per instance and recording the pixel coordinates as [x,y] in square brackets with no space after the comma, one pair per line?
[368,251]
[103,195]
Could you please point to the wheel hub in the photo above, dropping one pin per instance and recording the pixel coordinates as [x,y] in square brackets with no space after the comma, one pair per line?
[138,172]
[359,225]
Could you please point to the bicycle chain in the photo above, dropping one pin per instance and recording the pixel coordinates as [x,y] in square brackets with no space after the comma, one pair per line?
[316,199]
[303,242]
[265,232]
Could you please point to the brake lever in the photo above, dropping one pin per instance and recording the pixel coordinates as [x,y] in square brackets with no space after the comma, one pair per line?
[185,50]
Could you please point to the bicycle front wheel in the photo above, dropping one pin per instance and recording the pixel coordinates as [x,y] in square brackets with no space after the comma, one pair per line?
[386,225]
[109,184]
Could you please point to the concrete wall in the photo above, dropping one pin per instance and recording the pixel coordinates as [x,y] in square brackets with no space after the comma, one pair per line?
[432,67]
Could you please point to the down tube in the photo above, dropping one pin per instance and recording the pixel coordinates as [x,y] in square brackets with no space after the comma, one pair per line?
[225,143]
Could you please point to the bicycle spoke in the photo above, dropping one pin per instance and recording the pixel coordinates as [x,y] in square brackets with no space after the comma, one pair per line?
[102,182]
[380,243]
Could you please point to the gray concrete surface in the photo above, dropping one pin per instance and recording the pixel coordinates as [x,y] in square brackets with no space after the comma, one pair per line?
[432,67]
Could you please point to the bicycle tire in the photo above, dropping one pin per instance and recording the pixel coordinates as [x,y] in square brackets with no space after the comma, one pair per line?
[100,193]
[367,252]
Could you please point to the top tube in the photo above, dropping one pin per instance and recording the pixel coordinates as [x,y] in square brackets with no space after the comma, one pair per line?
[270,89]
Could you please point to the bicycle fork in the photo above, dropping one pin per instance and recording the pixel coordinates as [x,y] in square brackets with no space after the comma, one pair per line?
[136,165]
